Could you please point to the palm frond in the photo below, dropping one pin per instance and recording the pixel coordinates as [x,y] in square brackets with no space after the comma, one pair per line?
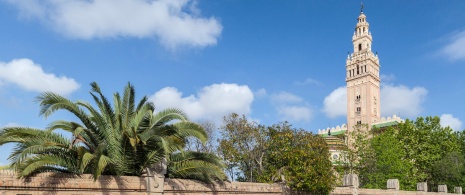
[195,165]
[103,162]
[46,163]
[187,128]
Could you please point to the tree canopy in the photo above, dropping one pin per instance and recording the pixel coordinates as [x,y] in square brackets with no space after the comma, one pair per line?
[123,138]
[277,153]
[413,151]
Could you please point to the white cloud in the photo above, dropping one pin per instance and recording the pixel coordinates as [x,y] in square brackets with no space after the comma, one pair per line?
[455,49]
[295,113]
[291,107]
[308,81]
[402,100]
[261,93]
[399,100]
[211,103]
[335,104]
[30,76]
[11,125]
[174,22]
[451,121]
[386,78]
[285,97]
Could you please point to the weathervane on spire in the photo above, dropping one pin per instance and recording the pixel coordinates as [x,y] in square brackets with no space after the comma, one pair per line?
[361,7]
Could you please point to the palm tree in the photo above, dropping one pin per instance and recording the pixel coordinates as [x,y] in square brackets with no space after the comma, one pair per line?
[123,139]
[201,166]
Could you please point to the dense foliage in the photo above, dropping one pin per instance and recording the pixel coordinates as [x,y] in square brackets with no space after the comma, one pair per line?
[123,138]
[413,151]
[243,146]
[298,158]
[277,153]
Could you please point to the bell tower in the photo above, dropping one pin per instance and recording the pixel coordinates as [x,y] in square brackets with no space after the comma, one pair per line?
[363,82]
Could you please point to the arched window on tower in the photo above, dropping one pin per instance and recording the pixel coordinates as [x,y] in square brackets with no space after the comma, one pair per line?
[358,69]
[360,47]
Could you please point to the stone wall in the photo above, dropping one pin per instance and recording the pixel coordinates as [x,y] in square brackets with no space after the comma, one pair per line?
[182,186]
[351,191]
[66,184]
[351,184]
[49,183]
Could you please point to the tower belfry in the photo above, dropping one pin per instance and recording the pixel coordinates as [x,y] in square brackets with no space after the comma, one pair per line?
[362,79]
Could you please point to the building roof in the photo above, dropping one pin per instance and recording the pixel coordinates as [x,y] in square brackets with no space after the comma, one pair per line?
[334,133]
[386,124]
[383,122]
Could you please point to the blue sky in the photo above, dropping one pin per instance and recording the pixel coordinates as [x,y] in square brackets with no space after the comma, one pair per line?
[270,60]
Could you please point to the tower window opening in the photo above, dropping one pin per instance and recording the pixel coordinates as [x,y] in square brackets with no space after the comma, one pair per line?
[358,69]
[359,109]
[359,47]
[359,122]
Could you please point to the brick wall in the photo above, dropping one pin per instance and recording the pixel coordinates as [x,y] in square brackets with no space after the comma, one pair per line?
[352,191]
[49,183]
[66,184]
[182,186]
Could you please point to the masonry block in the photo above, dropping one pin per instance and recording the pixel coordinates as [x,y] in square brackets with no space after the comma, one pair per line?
[350,180]
[422,187]
[393,184]
[442,188]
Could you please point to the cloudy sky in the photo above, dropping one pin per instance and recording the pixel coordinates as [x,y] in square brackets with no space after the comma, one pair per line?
[270,60]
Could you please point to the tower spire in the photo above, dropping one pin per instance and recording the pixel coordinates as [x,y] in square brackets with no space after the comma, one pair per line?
[361,7]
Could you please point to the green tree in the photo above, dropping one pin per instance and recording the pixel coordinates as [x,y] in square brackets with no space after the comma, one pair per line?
[197,145]
[426,142]
[276,153]
[450,170]
[387,162]
[298,158]
[412,151]
[123,139]
[242,147]
[355,150]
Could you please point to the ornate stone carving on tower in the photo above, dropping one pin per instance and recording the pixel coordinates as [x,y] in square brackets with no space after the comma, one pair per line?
[363,82]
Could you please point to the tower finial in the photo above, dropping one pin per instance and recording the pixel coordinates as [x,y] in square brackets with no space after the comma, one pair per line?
[361,7]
